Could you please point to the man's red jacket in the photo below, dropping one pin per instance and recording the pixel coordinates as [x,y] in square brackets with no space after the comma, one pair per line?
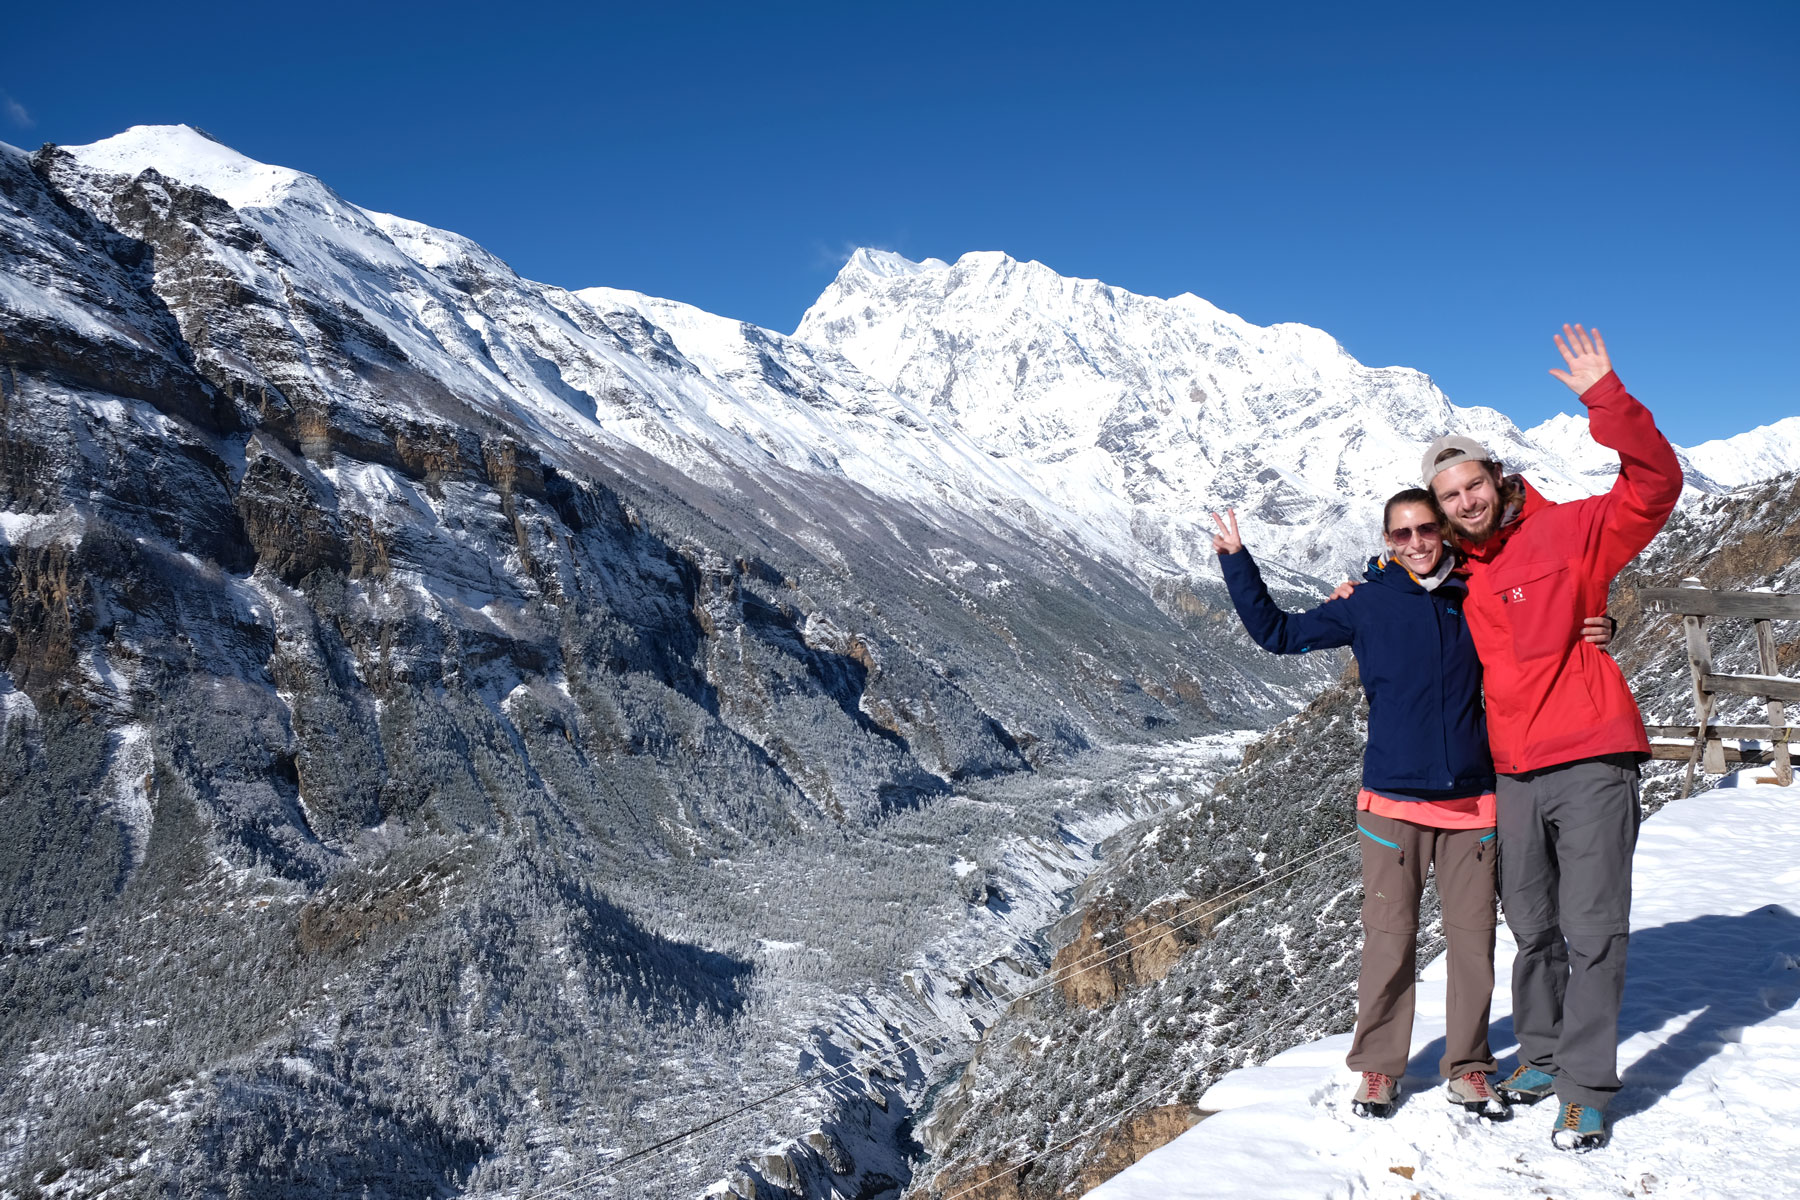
[1551,697]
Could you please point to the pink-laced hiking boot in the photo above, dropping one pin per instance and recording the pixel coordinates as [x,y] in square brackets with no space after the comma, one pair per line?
[1374,1095]
[1471,1091]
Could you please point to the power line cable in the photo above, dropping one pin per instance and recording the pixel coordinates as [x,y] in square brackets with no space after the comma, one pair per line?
[1168,1095]
[1087,962]
[618,1166]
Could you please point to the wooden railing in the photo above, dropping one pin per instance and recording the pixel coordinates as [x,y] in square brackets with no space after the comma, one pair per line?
[1703,743]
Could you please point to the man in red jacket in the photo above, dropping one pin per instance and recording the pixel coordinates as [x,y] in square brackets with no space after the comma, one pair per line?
[1565,732]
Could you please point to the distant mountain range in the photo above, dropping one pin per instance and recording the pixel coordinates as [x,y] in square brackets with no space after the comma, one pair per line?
[990,386]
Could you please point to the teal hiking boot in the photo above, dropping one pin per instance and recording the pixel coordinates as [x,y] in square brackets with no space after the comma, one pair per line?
[1579,1128]
[1527,1085]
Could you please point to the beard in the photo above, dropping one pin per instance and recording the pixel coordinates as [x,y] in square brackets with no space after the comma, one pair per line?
[1480,530]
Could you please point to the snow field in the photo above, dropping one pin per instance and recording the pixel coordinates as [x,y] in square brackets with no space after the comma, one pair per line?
[1709,1055]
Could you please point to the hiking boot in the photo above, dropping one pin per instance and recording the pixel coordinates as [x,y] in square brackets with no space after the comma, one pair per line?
[1527,1085]
[1579,1127]
[1374,1095]
[1471,1091]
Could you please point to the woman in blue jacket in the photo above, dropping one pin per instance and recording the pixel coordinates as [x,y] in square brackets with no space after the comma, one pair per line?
[1427,788]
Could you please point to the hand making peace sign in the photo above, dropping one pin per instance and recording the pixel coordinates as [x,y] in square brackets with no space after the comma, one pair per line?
[1227,541]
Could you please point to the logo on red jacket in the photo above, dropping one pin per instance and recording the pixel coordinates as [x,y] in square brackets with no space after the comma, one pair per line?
[1512,595]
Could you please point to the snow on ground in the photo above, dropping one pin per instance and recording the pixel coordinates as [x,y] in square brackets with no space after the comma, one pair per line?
[1709,1054]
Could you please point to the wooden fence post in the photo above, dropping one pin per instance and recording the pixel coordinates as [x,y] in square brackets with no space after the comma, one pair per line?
[1765,652]
[1709,752]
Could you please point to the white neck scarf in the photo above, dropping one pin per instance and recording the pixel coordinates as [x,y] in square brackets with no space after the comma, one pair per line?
[1446,564]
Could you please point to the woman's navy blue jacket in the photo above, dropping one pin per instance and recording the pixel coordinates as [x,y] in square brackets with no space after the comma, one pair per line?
[1427,730]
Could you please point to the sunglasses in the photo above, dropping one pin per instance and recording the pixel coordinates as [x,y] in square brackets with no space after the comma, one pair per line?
[1425,529]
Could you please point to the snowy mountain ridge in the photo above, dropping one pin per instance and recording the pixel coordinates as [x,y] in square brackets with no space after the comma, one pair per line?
[1058,406]
[536,352]
[1750,457]
[1159,411]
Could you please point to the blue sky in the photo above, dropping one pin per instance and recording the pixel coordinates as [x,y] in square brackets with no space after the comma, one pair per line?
[1434,186]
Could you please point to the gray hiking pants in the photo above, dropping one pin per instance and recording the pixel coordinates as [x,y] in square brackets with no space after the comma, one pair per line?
[1566,837]
[1395,856]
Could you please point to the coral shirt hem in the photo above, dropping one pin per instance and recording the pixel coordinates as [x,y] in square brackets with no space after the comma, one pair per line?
[1466,812]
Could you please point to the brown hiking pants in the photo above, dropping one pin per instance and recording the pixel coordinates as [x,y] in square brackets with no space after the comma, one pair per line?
[1395,857]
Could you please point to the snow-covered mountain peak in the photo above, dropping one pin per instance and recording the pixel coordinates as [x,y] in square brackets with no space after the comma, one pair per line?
[1157,410]
[989,273]
[1567,437]
[343,249]
[1709,467]
[1764,451]
[1563,427]
[195,158]
[884,264]
[882,310]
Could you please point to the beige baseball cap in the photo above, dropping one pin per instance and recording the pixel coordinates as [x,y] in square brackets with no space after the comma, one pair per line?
[1467,449]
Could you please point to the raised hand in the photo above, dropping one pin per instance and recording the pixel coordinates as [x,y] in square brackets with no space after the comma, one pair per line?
[1586,355]
[1227,541]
